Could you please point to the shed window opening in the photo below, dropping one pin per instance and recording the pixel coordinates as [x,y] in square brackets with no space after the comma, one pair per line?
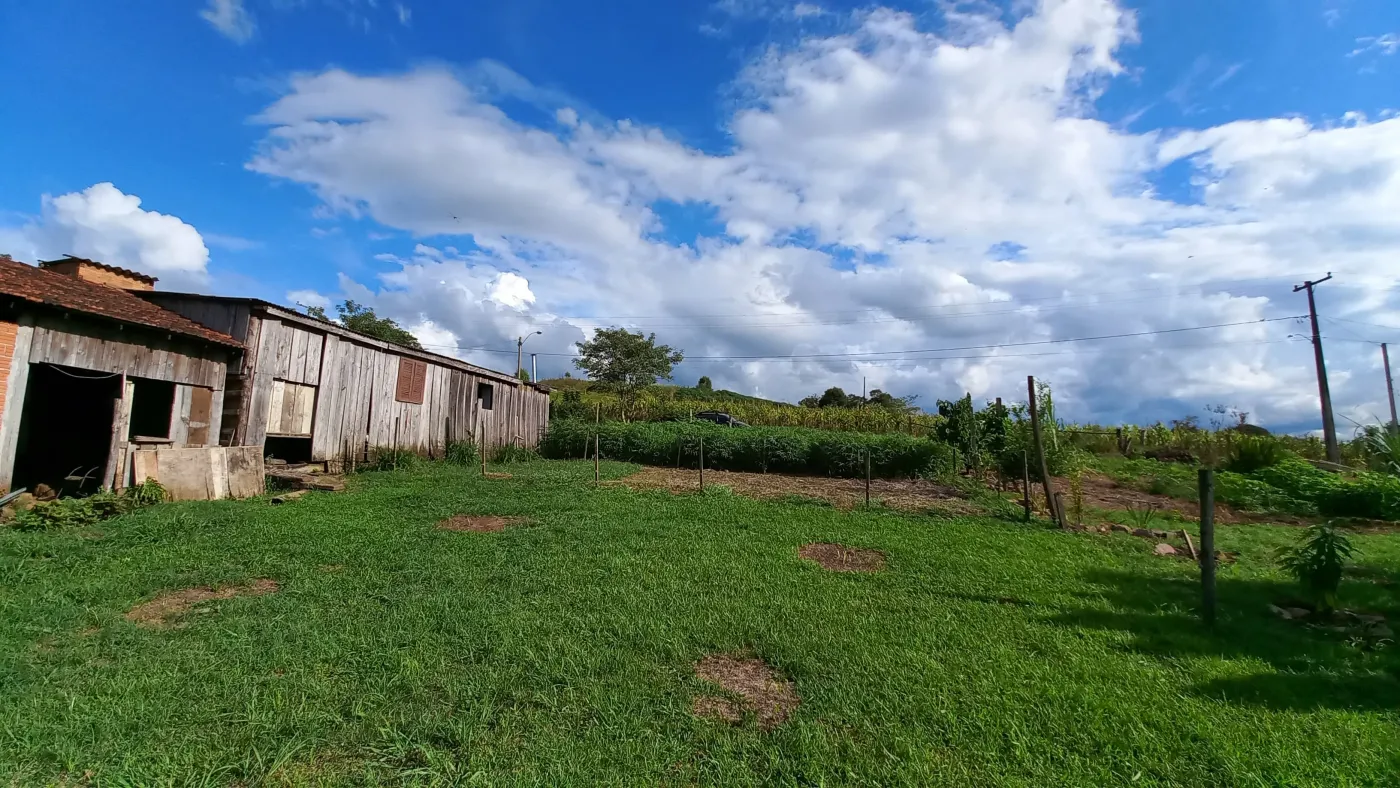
[152,406]
[486,395]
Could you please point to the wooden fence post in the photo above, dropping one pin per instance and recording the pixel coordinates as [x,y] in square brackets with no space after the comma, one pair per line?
[1207,495]
[867,478]
[702,463]
[483,449]
[1045,479]
[1026,483]
[597,459]
[396,443]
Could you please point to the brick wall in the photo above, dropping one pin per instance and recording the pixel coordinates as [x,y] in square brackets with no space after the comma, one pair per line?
[91,273]
[8,331]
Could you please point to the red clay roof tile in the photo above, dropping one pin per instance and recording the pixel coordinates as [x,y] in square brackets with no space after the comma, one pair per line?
[38,286]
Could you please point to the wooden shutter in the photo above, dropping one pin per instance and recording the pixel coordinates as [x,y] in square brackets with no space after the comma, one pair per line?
[201,407]
[413,379]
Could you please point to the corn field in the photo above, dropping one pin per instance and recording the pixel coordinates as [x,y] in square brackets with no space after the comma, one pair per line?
[757,413]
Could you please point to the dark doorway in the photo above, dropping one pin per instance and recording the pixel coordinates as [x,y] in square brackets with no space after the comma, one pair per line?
[293,450]
[65,429]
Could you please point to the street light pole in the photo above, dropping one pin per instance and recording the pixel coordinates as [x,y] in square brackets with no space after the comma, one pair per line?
[519,344]
[1329,427]
[1389,386]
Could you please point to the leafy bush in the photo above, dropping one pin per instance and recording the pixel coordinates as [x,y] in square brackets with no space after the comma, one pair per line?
[80,512]
[1316,562]
[1250,454]
[776,449]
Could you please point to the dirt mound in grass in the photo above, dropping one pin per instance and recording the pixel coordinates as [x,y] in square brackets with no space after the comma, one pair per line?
[840,558]
[475,524]
[165,610]
[905,494]
[772,700]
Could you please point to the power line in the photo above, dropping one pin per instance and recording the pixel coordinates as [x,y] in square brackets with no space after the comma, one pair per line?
[864,354]
[1003,302]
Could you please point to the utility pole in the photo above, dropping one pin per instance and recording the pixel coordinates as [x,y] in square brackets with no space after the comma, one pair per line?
[1389,386]
[1329,427]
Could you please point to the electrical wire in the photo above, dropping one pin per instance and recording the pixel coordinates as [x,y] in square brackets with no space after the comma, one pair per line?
[1220,283]
[865,354]
[61,370]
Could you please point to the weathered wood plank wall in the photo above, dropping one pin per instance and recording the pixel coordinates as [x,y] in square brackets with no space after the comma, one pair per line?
[125,352]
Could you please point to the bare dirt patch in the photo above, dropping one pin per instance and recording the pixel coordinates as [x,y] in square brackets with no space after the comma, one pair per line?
[771,699]
[905,494]
[166,610]
[481,524]
[1102,492]
[840,558]
[494,475]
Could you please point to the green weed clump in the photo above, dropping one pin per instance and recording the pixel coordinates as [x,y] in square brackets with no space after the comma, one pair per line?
[390,459]
[754,449]
[461,453]
[1317,561]
[512,453]
[82,512]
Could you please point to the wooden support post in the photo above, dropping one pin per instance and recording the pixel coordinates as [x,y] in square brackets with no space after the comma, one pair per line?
[483,449]
[113,476]
[1026,483]
[867,478]
[396,443]
[1045,479]
[679,441]
[1207,495]
[702,463]
[597,459]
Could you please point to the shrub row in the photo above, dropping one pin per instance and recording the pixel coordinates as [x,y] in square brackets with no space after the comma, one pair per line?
[1374,496]
[775,449]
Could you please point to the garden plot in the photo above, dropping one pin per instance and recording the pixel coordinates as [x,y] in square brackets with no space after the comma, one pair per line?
[905,494]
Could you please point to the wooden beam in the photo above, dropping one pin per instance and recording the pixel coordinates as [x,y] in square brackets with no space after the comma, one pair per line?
[13,407]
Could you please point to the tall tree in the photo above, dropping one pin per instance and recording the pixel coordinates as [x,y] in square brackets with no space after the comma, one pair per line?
[358,317]
[627,362]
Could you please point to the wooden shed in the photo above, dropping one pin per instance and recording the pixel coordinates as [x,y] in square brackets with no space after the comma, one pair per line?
[89,370]
[312,390]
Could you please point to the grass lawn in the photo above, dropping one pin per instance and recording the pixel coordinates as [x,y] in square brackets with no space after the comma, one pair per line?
[562,652]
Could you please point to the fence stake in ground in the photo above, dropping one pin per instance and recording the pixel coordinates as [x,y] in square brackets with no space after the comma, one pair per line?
[597,476]
[867,478]
[702,463]
[1026,483]
[396,443]
[1045,479]
[1207,494]
[483,449]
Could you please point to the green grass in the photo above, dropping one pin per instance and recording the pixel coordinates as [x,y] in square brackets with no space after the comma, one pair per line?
[561,653]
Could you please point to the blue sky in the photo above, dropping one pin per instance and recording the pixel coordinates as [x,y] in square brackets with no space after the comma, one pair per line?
[747,177]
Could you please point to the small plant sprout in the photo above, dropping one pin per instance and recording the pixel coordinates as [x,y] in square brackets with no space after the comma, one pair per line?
[1316,562]
[1142,517]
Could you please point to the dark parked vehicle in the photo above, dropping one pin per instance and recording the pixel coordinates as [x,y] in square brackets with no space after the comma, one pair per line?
[720,418]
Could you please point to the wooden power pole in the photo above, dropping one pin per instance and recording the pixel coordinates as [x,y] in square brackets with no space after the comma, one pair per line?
[1329,427]
[1389,385]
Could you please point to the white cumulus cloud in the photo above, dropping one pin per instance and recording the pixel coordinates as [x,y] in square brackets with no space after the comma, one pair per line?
[885,187]
[102,223]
